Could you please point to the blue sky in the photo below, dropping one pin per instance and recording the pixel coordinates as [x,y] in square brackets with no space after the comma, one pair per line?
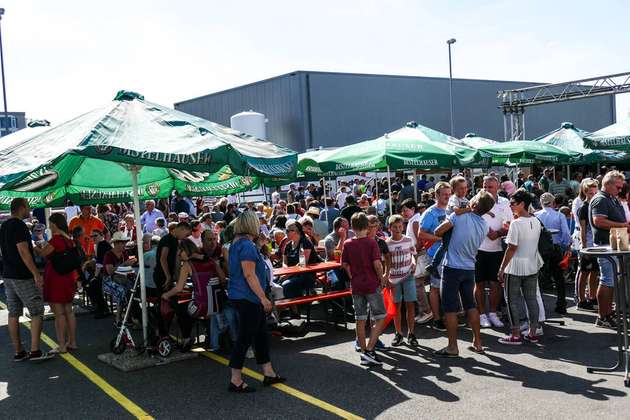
[65,57]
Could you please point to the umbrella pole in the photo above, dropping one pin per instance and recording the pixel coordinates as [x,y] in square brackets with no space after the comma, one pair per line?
[136,214]
[389,182]
[568,172]
[415,185]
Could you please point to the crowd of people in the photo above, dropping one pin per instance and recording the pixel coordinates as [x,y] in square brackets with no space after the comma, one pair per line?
[472,241]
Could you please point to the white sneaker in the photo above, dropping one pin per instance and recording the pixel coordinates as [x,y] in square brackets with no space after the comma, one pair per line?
[424,318]
[495,321]
[483,321]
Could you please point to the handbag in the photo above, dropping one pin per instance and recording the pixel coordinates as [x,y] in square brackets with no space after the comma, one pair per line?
[66,261]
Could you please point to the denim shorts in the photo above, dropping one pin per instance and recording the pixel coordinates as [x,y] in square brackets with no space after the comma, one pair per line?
[405,290]
[458,284]
[606,272]
[375,303]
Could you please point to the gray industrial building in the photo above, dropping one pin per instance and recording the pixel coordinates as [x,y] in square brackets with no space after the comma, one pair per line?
[309,109]
[12,122]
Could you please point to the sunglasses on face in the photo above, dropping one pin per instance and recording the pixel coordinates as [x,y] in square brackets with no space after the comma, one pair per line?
[514,203]
[292,230]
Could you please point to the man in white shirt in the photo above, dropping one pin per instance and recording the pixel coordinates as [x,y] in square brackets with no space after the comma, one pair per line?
[275,196]
[491,253]
[341,197]
[149,217]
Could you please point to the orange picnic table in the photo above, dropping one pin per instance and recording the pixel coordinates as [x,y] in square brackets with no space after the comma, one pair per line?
[312,268]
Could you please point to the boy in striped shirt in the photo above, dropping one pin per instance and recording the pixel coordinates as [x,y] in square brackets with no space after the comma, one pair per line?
[401,278]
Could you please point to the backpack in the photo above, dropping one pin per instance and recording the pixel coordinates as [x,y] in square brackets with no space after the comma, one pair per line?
[546,247]
[66,261]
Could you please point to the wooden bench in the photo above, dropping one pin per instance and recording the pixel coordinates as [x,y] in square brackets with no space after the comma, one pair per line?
[330,297]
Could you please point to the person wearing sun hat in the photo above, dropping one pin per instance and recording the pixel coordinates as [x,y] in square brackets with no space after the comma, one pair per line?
[115,258]
[320,227]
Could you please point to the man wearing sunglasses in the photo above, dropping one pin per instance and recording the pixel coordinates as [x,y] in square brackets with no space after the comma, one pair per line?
[606,212]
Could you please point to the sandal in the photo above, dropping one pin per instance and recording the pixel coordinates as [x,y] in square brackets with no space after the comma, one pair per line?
[476,350]
[57,350]
[243,388]
[270,380]
[445,353]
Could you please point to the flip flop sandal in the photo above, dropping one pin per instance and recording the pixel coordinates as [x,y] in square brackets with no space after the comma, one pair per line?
[241,389]
[444,353]
[475,350]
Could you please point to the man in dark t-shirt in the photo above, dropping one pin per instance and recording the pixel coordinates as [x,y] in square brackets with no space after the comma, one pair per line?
[605,213]
[350,208]
[166,255]
[22,281]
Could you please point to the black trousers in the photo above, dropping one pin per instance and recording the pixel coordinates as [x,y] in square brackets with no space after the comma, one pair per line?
[552,271]
[252,330]
[95,292]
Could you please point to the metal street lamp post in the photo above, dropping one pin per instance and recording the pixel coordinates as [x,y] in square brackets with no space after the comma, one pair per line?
[4,90]
[450,79]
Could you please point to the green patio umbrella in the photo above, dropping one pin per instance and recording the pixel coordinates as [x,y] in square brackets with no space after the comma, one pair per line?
[410,147]
[474,141]
[613,137]
[132,148]
[32,129]
[571,139]
[528,152]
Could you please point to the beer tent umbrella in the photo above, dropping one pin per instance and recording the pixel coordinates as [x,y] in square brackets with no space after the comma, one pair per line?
[32,129]
[613,137]
[131,149]
[528,152]
[411,147]
[474,141]
[571,139]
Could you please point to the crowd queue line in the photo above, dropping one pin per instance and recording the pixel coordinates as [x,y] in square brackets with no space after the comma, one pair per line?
[456,243]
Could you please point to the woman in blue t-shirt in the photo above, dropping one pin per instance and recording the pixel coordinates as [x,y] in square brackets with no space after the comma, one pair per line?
[246,291]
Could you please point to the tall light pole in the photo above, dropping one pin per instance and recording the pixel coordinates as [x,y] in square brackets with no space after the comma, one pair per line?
[4,90]
[450,79]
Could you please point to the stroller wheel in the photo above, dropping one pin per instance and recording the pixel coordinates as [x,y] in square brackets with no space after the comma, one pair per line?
[117,349]
[164,347]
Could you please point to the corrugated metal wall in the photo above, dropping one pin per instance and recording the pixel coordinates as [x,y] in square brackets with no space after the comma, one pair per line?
[280,99]
[347,108]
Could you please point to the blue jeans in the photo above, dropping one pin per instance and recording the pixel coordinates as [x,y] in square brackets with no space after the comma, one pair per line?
[296,286]
[606,272]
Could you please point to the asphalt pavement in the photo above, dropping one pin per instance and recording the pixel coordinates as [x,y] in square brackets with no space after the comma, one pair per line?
[325,379]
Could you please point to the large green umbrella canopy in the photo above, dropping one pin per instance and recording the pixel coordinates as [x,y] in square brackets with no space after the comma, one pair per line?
[88,158]
[32,129]
[526,152]
[571,139]
[613,137]
[132,149]
[411,147]
[474,141]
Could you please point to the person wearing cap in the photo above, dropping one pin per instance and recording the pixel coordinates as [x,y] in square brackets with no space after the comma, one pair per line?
[114,258]
[556,222]
[320,228]
[149,217]
[88,223]
[182,216]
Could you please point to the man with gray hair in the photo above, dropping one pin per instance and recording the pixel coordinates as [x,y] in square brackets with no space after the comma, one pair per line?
[149,217]
[605,212]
